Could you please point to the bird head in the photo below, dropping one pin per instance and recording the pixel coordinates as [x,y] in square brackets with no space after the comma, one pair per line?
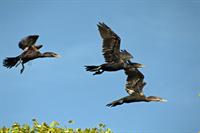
[155,99]
[51,54]
[125,55]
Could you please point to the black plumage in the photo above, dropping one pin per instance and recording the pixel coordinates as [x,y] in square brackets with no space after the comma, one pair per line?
[115,58]
[134,87]
[135,98]
[31,52]
[29,41]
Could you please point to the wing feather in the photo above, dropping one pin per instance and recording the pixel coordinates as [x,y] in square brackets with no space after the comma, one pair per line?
[28,41]
[134,80]
[111,43]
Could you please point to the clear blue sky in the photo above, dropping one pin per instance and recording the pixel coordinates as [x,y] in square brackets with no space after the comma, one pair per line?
[163,35]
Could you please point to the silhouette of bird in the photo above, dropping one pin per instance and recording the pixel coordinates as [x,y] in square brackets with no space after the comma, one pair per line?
[115,58]
[30,52]
[135,98]
[134,87]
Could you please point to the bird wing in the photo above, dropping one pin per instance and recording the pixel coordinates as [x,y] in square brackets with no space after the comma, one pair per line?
[111,43]
[28,41]
[134,81]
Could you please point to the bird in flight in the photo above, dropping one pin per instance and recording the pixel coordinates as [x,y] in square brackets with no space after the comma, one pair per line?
[30,52]
[115,58]
[134,87]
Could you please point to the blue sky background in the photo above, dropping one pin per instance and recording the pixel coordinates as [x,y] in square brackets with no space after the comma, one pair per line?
[163,35]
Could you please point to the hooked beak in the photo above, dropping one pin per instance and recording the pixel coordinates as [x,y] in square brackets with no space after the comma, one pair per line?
[57,56]
[163,100]
[141,65]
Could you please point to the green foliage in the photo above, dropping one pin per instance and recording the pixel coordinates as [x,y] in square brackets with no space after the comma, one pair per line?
[71,121]
[53,127]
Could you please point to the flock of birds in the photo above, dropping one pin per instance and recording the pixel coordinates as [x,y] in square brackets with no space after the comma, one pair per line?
[115,60]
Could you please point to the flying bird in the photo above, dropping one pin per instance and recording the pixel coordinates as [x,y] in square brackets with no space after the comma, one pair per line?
[30,52]
[134,87]
[115,58]
[135,98]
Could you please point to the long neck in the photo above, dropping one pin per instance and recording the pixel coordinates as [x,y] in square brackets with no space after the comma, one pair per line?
[153,99]
[46,54]
[135,98]
[147,99]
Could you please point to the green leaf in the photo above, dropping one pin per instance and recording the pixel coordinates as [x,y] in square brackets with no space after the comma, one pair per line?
[54,124]
[71,121]
[52,128]
[101,125]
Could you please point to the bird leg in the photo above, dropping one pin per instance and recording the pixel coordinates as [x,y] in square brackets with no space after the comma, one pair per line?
[21,71]
[98,72]
[19,62]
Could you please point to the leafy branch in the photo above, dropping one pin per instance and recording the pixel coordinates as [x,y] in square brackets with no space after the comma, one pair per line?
[53,127]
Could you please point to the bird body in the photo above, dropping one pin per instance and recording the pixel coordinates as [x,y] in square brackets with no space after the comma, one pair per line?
[31,52]
[115,58]
[135,98]
[110,67]
[134,87]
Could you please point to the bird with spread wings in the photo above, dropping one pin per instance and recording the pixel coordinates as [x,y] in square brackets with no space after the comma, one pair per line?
[115,58]
[134,87]
[30,52]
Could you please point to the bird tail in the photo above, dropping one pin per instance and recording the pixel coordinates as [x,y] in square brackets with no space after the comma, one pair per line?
[96,69]
[9,62]
[92,68]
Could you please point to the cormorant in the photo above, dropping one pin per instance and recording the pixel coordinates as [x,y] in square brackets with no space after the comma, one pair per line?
[115,58]
[136,98]
[30,52]
[134,87]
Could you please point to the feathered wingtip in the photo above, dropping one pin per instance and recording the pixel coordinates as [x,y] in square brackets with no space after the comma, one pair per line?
[102,24]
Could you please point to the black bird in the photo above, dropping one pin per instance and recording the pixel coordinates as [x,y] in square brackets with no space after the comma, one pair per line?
[115,58]
[31,52]
[134,87]
[135,98]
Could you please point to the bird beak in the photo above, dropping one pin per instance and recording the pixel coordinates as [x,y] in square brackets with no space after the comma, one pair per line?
[141,65]
[163,100]
[57,56]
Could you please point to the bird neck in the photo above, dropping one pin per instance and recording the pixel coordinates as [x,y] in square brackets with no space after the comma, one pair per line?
[46,54]
[153,99]
[147,99]
[137,98]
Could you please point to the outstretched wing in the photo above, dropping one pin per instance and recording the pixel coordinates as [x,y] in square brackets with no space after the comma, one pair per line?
[134,80]
[28,41]
[111,43]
